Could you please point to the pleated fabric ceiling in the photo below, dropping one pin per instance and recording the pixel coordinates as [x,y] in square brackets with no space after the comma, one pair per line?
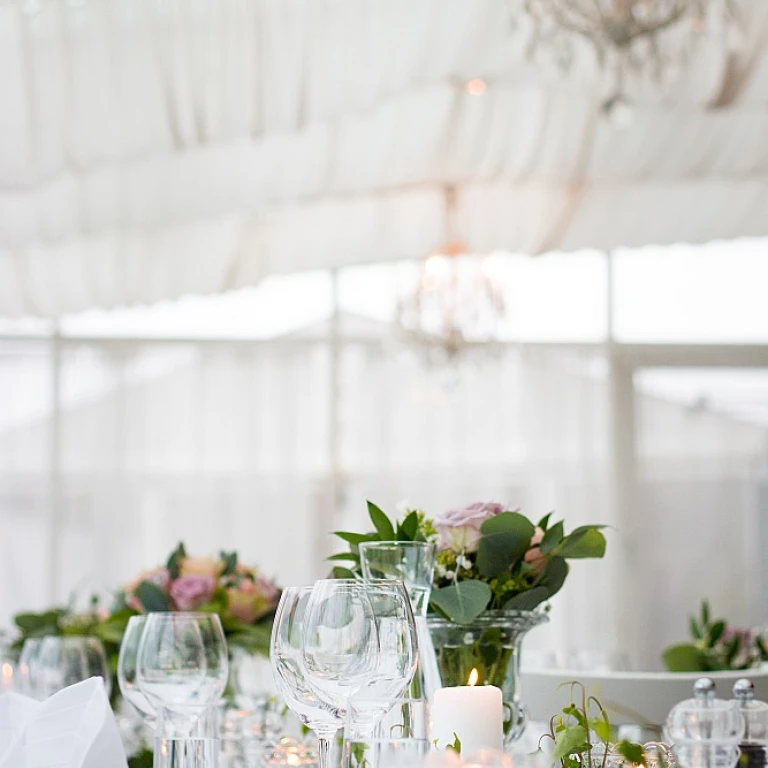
[154,148]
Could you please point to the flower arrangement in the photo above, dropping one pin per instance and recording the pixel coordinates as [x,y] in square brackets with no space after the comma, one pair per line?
[245,600]
[488,557]
[715,646]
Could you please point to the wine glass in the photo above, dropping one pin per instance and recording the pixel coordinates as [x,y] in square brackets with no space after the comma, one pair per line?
[28,684]
[397,652]
[341,644]
[286,659]
[182,666]
[127,667]
[64,661]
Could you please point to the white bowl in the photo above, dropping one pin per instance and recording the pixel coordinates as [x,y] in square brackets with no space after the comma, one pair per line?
[636,698]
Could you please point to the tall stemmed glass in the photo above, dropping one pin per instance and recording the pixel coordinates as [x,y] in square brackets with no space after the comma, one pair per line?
[127,667]
[286,658]
[64,661]
[413,563]
[341,643]
[398,653]
[182,666]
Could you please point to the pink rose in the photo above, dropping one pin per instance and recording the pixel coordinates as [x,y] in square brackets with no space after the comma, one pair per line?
[533,556]
[459,529]
[190,592]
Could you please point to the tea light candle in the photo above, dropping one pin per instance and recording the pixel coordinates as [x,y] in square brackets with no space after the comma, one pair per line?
[474,713]
[6,677]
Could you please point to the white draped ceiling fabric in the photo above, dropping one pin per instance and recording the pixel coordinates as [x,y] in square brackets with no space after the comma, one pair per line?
[153,148]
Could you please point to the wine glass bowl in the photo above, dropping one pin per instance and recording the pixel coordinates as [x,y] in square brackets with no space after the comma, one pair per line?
[340,644]
[182,665]
[64,661]
[127,669]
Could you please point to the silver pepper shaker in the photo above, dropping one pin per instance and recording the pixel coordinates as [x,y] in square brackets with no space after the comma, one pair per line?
[754,744]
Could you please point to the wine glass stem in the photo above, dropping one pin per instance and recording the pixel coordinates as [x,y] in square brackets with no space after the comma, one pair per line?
[323,751]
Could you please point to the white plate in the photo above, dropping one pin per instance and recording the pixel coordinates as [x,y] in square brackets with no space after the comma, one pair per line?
[638,698]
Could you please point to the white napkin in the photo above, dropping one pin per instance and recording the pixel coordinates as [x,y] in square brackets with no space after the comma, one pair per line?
[75,728]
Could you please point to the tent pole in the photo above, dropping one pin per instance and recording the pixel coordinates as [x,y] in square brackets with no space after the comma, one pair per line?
[54,471]
[621,447]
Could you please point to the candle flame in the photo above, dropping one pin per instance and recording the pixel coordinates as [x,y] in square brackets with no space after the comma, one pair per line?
[473,677]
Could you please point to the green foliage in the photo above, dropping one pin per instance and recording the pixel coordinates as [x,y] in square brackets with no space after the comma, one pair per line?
[515,572]
[381,523]
[175,559]
[144,759]
[582,726]
[456,746]
[462,602]
[152,598]
[229,561]
[506,538]
[714,647]
[586,541]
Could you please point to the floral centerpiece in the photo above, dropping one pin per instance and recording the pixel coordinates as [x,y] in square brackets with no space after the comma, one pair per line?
[495,569]
[716,646]
[243,598]
[245,601]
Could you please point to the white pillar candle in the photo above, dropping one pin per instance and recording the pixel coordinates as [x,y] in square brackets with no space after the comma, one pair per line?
[474,713]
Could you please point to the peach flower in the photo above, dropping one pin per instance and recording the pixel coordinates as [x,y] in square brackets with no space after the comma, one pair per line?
[199,566]
[533,556]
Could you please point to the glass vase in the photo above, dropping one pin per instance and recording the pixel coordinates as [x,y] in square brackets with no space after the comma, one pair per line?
[491,645]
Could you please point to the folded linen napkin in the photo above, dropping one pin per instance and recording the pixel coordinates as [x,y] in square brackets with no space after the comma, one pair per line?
[74,728]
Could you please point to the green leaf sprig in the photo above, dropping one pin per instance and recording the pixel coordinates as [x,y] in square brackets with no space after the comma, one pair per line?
[581,728]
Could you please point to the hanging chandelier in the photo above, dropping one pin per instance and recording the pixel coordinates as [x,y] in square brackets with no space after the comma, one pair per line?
[647,37]
[455,305]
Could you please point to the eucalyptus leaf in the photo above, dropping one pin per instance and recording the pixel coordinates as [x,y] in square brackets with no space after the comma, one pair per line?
[381,523]
[462,602]
[152,598]
[684,658]
[345,556]
[586,541]
[527,601]
[555,575]
[505,540]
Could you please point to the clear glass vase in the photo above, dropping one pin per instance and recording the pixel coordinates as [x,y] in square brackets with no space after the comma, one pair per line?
[490,645]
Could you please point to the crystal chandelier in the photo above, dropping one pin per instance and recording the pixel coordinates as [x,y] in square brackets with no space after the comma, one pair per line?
[455,304]
[648,37]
